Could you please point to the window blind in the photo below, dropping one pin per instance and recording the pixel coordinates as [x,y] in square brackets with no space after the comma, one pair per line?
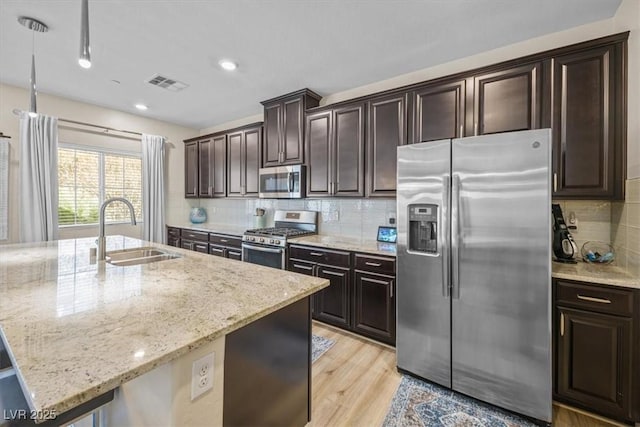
[86,178]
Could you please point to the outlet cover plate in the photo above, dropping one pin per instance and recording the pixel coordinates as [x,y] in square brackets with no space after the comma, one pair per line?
[202,375]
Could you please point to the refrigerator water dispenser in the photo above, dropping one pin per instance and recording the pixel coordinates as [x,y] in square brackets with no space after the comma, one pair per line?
[423,228]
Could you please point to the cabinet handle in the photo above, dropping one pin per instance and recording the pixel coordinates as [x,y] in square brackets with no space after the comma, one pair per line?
[561,324]
[391,289]
[331,273]
[373,264]
[460,134]
[555,182]
[594,299]
[304,267]
[316,253]
[475,128]
[224,240]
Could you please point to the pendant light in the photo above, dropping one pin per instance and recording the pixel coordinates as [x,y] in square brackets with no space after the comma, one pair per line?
[85,49]
[35,26]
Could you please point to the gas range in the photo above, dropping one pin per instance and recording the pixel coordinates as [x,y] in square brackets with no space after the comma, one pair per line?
[275,236]
[288,224]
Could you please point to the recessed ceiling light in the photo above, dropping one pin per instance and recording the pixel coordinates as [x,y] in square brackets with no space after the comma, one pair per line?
[84,63]
[228,65]
[141,107]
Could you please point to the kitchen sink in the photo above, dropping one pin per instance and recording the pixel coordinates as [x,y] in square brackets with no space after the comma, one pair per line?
[137,256]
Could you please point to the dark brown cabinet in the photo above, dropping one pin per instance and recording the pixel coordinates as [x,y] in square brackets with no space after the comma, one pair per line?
[212,154]
[507,100]
[374,308]
[331,304]
[284,127]
[438,111]
[191,169]
[225,246]
[387,130]
[361,296]
[173,236]
[243,161]
[338,136]
[588,129]
[594,348]
[205,166]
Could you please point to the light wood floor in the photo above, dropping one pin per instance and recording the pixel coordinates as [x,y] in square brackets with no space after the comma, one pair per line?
[356,379]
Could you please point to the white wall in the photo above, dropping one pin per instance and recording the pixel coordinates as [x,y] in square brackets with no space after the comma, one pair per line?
[13,97]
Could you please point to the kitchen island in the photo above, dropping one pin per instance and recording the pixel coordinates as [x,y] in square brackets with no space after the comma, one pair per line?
[75,329]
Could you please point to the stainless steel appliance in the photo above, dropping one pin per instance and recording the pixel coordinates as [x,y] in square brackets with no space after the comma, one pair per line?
[268,246]
[282,182]
[564,247]
[474,267]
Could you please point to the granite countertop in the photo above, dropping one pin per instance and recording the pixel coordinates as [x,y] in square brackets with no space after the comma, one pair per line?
[232,229]
[594,273]
[75,330]
[347,244]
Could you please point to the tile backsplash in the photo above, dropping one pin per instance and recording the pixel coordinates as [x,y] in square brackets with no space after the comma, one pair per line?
[358,218]
[625,228]
[617,223]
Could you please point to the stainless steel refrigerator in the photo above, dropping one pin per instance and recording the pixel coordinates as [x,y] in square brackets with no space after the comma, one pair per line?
[474,267]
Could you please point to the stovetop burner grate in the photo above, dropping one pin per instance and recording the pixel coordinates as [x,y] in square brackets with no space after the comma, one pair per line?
[279,231]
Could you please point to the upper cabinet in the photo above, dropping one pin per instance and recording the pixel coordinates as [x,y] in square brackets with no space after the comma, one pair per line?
[588,123]
[438,111]
[507,100]
[335,143]
[243,161]
[205,167]
[284,127]
[191,169]
[386,130]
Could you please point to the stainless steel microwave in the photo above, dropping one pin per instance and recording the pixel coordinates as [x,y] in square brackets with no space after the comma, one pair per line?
[282,182]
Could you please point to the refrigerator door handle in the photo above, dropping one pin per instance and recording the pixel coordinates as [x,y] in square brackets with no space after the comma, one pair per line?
[443,238]
[455,237]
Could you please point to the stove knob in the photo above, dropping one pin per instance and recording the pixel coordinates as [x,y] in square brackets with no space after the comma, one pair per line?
[277,242]
[261,240]
[272,241]
[252,239]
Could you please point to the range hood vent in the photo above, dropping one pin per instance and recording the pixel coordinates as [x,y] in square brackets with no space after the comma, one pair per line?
[167,83]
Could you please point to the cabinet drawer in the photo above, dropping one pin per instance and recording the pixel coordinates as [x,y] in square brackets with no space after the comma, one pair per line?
[216,250]
[603,299]
[195,235]
[221,239]
[233,254]
[375,264]
[173,232]
[321,256]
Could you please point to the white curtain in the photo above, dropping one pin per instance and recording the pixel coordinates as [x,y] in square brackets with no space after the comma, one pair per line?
[4,188]
[153,188]
[38,178]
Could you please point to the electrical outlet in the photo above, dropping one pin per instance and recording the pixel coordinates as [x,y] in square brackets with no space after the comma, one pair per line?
[202,375]
[391,218]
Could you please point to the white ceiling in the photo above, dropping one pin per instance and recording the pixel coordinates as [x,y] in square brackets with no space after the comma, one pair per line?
[280,46]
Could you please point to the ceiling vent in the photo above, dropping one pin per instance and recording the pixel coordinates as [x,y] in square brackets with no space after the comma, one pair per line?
[167,83]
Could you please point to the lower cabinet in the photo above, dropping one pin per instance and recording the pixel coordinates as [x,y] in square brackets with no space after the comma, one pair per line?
[209,243]
[595,350]
[332,303]
[361,295]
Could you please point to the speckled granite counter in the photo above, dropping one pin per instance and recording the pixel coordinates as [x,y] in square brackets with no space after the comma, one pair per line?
[347,244]
[603,274]
[75,330]
[231,229]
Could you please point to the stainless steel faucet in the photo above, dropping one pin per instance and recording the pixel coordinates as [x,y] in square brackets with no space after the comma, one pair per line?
[102,241]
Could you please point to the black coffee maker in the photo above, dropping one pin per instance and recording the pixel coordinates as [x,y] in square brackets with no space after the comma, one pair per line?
[564,248]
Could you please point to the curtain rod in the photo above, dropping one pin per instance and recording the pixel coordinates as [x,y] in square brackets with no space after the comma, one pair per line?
[108,129]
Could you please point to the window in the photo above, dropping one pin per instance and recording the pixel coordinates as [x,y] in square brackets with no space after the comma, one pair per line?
[87,177]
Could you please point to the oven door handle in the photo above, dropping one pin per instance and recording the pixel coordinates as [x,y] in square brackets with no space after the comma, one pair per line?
[262,249]
[290,182]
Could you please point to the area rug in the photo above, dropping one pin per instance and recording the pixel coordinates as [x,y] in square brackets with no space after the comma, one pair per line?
[319,345]
[418,403]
